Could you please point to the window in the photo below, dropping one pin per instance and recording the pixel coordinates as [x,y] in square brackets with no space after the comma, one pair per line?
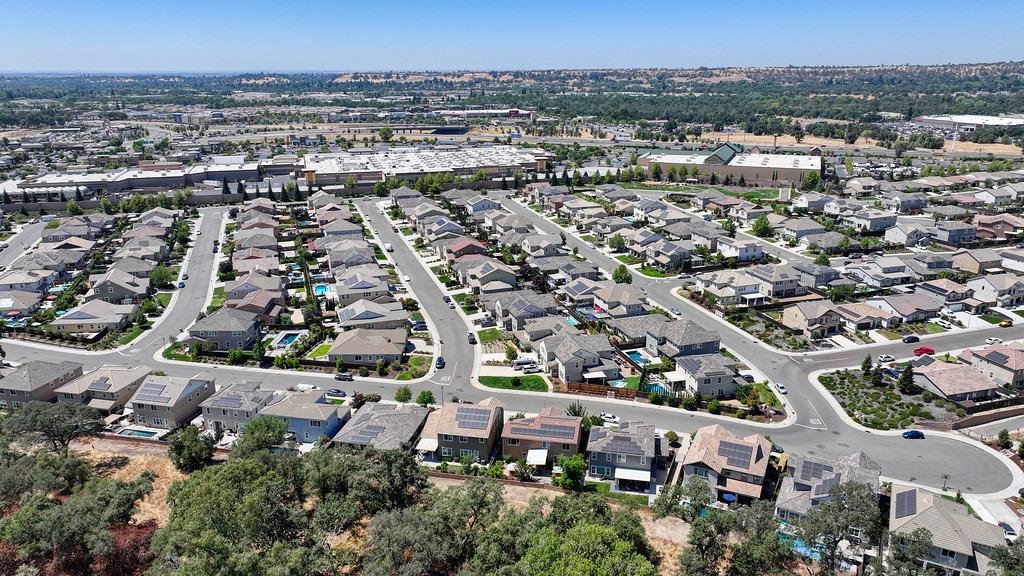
[565,447]
[608,457]
[447,437]
[947,553]
[513,441]
[463,439]
[701,472]
[643,460]
[620,458]
[446,451]
[545,445]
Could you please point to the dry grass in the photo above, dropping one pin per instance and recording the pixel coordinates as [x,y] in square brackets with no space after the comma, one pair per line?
[141,457]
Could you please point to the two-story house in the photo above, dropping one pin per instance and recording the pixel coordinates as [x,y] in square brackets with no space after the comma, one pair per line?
[734,467]
[36,381]
[1006,290]
[469,430]
[628,454]
[169,401]
[542,439]
[230,408]
[107,389]
[227,328]
[309,416]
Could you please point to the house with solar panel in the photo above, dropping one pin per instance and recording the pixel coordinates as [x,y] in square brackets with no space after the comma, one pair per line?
[169,401]
[961,543]
[628,454]
[308,415]
[735,467]
[383,426]
[107,389]
[808,481]
[470,430]
[541,439]
[233,406]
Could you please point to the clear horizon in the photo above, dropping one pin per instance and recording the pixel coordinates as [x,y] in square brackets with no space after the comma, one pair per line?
[227,37]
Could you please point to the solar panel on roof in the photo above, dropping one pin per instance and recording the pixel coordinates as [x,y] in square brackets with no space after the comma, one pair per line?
[998,357]
[227,401]
[814,470]
[153,398]
[735,454]
[102,384]
[826,485]
[906,503]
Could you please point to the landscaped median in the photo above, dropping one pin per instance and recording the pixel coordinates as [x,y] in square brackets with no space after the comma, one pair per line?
[526,382]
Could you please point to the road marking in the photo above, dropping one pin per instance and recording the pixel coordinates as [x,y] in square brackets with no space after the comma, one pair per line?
[810,427]
[816,421]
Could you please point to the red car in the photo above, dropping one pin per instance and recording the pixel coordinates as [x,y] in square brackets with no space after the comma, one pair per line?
[923,350]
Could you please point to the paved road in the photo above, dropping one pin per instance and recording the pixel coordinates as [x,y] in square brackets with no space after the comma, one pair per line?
[27,236]
[818,429]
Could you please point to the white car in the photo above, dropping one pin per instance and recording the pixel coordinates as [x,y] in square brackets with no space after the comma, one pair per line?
[944,324]
[886,358]
[993,340]
[405,278]
[781,388]
[610,418]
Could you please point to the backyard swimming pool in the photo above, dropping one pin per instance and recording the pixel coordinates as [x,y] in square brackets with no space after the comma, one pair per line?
[571,321]
[137,433]
[636,357]
[287,338]
[320,289]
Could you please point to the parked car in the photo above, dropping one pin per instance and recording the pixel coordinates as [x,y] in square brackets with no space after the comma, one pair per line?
[451,305]
[747,377]
[184,276]
[923,350]
[531,369]
[943,323]
[675,311]
[419,327]
[405,278]
[487,322]
[345,376]
[1008,532]
[886,358]
[446,298]
[610,418]
[855,255]
[471,337]
[993,340]
[913,435]
[1005,324]
[782,388]
[910,339]
[440,362]
[337,392]
[181,284]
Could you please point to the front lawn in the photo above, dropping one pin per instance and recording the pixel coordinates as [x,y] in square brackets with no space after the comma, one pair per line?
[528,382]
[629,259]
[931,328]
[489,335]
[132,334]
[655,273]
[632,382]
[217,301]
[766,396]
[605,489]
[416,316]
[890,334]
[993,317]
[417,367]
[164,298]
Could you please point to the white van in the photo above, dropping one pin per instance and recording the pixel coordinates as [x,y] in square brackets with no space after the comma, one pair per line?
[389,248]
[521,363]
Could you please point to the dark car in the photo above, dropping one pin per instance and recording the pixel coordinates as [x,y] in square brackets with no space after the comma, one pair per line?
[344,376]
[184,276]
[181,284]
[337,392]
[419,327]
[913,435]
[910,339]
[440,362]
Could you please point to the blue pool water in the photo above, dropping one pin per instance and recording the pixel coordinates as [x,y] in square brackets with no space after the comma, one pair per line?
[571,321]
[320,289]
[288,338]
[137,433]
[637,357]
[657,389]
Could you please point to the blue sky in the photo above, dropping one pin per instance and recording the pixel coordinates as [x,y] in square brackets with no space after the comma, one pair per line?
[283,35]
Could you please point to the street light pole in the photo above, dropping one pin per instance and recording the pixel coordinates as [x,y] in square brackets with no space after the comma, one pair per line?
[945,481]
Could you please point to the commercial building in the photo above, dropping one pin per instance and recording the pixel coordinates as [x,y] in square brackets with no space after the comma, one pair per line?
[731,160]
[968,122]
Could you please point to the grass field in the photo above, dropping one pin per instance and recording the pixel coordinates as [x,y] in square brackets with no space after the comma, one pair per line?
[489,335]
[890,334]
[321,350]
[164,298]
[528,382]
[993,317]
[655,273]
[217,301]
[757,195]
[629,259]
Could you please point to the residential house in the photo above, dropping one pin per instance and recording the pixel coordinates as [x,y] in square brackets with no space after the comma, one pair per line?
[342,229]
[354,285]
[310,418]
[924,266]
[609,225]
[230,408]
[829,242]
[861,317]
[251,282]
[977,261]
[796,228]
[869,220]
[1000,227]
[542,439]
[682,338]
[740,250]
[746,212]
[265,304]
[706,375]
[27,280]
[470,430]
[366,347]
[997,196]
[96,316]
[1006,290]
[1001,363]
[730,464]
[960,383]
[669,255]
[255,238]
[815,275]
[618,300]
[479,203]
[866,186]
[777,281]
[908,307]
[882,272]
[904,202]
[808,481]
[135,266]
[632,330]
[118,287]
[951,294]
[107,389]
[512,309]
[907,234]
[145,248]
[579,358]
[730,288]
[961,544]
[383,427]
[168,402]
[453,249]
[486,276]
[373,315]
[15,303]
[227,328]
[811,202]
[628,454]
[954,233]
[817,319]
[36,381]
